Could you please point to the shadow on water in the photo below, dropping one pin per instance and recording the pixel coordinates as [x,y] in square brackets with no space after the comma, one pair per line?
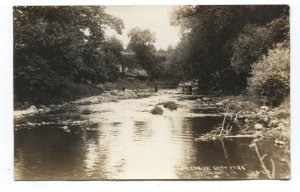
[52,153]
[142,131]
[201,125]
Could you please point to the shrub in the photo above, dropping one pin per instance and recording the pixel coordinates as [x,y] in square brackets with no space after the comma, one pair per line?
[271,75]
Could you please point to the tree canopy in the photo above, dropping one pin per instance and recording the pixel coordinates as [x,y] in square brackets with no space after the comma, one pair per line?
[55,46]
[220,43]
[142,43]
[58,48]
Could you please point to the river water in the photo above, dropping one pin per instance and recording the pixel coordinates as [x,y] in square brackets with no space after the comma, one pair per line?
[123,140]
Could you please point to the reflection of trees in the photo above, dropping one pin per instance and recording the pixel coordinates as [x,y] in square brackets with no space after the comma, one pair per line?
[51,153]
[199,154]
[94,159]
[142,130]
[201,125]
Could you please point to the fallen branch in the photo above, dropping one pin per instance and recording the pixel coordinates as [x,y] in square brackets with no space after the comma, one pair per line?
[263,164]
[222,128]
[240,136]
[224,149]
[249,126]
[273,168]
[215,137]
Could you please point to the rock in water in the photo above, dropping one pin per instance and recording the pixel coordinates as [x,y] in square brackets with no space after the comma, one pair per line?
[206,99]
[43,106]
[219,104]
[32,109]
[30,124]
[279,142]
[170,105]
[264,108]
[64,127]
[258,126]
[157,111]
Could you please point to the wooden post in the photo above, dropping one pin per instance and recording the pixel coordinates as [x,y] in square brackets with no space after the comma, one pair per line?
[123,89]
[183,89]
[190,90]
[155,89]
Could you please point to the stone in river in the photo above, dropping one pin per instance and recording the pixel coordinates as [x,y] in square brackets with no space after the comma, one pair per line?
[258,126]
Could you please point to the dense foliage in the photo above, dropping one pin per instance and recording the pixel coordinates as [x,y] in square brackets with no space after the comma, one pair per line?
[61,52]
[220,43]
[58,48]
[254,41]
[271,75]
[142,44]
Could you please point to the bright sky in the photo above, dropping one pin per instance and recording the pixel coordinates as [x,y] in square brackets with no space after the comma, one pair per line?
[155,18]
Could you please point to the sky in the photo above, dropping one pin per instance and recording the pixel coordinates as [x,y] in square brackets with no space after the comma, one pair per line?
[155,18]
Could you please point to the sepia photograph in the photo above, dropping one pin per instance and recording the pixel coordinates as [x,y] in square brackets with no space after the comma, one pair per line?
[151,92]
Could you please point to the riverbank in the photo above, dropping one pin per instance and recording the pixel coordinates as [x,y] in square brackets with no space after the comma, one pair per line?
[107,96]
[244,118]
[273,120]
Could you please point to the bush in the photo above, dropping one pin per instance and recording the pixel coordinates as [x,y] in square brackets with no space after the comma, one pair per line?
[271,75]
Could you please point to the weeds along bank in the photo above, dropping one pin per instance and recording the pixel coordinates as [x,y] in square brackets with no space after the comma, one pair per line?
[250,117]
[246,118]
[263,108]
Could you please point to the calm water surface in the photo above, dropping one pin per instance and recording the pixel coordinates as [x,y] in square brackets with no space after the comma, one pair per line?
[122,140]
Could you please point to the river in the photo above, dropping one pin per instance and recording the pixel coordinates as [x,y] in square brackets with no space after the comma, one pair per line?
[123,140]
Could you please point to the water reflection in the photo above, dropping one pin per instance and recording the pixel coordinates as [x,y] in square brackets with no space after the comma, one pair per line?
[128,142]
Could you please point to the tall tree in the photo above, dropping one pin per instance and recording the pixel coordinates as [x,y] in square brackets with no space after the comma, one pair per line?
[115,46]
[208,35]
[142,43]
[59,44]
[254,41]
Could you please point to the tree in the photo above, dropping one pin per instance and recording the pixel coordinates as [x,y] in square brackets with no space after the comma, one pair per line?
[58,45]
[255,41]
[209,36]
[115,46]
[176,62]
[142,43]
